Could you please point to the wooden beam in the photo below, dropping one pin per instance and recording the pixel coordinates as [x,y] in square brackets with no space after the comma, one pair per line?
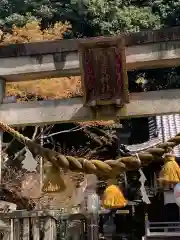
[147,49]
[71,110]
[146,56]
[71,45]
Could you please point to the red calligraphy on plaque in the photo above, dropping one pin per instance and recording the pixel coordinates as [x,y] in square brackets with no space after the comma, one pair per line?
[119,73]
[89,78]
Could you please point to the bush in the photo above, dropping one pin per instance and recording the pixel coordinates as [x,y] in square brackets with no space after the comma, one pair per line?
[32,32]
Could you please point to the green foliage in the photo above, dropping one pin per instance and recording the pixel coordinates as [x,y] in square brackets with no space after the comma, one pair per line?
[154,79]
[112,17]
[168,10]
[93,17]
[19,12]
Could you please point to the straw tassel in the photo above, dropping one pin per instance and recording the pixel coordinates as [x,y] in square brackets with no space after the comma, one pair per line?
[53,181]
[113,197]
[170,172]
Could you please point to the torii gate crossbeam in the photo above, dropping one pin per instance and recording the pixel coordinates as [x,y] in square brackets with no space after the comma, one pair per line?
[149,49]
[144,50]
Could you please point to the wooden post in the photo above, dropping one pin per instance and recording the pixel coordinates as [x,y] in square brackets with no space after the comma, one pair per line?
[8,233]
[11,229]
[16,229]
[5,233]
[93,226]
[2,95]
[41,163]
[26,229]
[50,232]
[147,230]
[36,228]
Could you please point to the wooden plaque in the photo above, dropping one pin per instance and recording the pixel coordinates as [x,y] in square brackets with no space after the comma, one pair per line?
[104,74]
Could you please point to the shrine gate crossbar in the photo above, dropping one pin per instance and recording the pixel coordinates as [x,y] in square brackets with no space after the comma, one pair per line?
[144,50]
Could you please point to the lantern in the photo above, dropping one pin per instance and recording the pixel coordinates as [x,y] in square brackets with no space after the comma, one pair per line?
[104,74]
[177,194]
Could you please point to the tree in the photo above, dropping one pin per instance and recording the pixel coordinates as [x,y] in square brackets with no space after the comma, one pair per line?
[87,18]
[92,17]
[18,12]
[111,17]
[31,31]
[168,11]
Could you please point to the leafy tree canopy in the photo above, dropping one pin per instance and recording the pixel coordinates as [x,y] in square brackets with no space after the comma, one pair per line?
[93,17]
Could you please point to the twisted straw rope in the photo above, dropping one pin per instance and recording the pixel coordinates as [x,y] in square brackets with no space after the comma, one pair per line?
[106,168]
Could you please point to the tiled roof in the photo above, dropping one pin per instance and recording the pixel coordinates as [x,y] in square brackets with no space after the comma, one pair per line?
[169,126]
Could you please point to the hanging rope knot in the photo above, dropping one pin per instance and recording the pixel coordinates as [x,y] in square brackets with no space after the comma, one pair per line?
[169,158]
[169,155]
[170,172]
[113,197]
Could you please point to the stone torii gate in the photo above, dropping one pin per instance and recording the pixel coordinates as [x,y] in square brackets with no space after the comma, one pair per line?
[143,50]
